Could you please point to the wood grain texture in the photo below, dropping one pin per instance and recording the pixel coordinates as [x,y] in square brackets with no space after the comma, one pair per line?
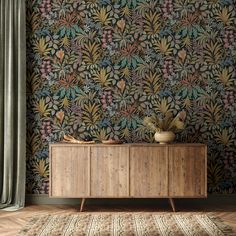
[148,171]
[128,170]
[70,171]
[187,171]
[109,171]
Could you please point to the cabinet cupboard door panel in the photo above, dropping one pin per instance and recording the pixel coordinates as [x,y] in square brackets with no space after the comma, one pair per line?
[69,171]
[148,171]
[187,171]
[110,171]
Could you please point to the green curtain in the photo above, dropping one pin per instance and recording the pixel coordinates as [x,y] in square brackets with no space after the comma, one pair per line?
[12,104]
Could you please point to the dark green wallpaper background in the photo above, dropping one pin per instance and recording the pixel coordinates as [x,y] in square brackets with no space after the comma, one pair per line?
[97,68]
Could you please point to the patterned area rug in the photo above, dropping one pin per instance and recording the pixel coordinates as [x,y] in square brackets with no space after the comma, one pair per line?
[126,224]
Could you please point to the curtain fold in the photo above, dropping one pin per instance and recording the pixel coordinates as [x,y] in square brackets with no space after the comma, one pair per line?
[12,104]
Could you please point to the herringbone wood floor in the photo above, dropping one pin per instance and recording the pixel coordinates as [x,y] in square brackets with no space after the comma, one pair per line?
[12,222]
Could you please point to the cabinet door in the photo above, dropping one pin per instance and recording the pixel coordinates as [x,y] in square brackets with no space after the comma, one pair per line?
[148,171]
[69,171]
[187,171]
[110,171]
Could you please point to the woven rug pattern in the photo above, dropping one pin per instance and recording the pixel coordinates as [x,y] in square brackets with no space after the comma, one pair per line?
[125,224]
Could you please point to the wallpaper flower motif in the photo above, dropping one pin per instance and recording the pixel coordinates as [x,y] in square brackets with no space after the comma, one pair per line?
[96,68]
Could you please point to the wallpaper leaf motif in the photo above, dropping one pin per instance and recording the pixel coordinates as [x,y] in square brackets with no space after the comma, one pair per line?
[96,68]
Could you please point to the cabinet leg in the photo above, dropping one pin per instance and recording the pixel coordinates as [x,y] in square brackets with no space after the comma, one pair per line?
[172,204]
[82,204]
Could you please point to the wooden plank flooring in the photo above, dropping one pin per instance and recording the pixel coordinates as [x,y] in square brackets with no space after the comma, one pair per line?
[12,222]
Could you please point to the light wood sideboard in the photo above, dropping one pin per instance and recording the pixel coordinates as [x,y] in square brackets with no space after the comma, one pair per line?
[128,171]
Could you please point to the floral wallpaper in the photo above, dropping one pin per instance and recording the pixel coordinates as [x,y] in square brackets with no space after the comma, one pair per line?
[96,68]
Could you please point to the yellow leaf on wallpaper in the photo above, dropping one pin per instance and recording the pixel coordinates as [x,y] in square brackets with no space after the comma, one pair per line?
[187,41]
[60,54]
[152,83]
[224,137]
[164,106]
[163,46]
[213,113]
[91,53]
[121,85]
[60,116]
[91,115]
[182,54]
[41,47]
[65,41]
[33,21]
[42,108]
[187,102]
[126,11]
[213,53]
[224,16]
[121,24]
[102,77]
[125,132]
[152,23]
[101,135]
[102,16]
[65,102]
[225,77]
[41,168]
[126,72]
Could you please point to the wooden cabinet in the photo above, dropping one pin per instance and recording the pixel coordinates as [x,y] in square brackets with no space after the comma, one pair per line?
[187,171]
[148,171]
[128,171]
[110,171]
[70,171]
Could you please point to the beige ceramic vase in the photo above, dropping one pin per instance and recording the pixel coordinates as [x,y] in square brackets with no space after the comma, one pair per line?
[164,137]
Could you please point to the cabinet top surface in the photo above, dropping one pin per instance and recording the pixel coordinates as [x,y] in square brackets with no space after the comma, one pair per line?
[128,144]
